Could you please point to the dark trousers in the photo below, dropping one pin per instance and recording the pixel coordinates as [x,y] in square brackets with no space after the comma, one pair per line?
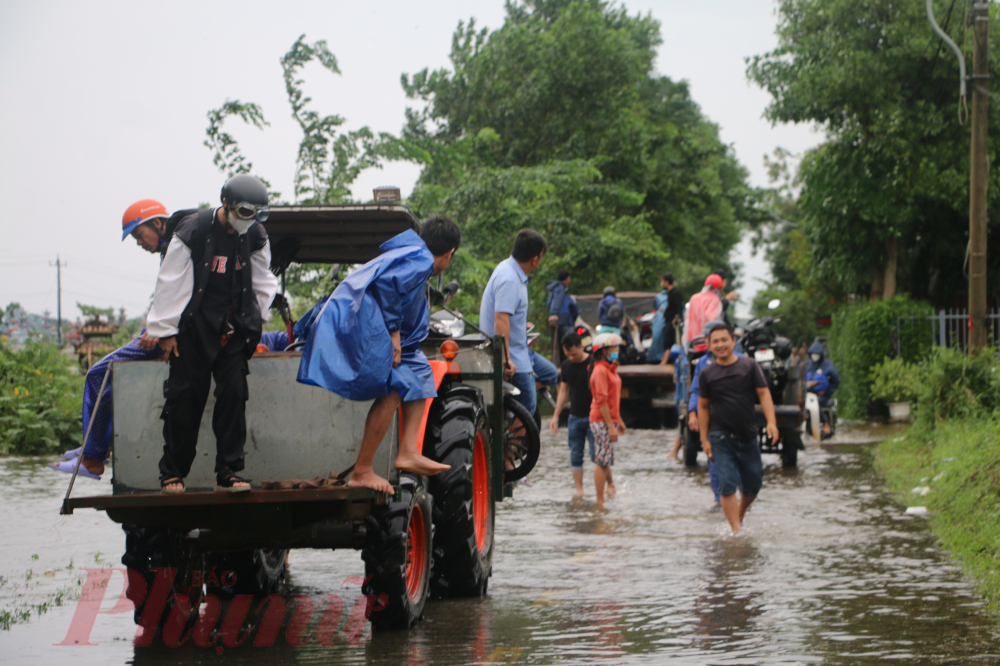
[186,392]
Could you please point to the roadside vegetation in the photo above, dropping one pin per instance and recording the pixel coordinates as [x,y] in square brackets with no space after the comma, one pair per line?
[41,395]
[949,460]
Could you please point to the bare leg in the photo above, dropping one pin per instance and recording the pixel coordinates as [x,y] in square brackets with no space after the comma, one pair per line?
[578,482]
[600,478]
[409,459]
[735,510]
[677,448]
[376,425]
[745,503]
[93,465]
[612,490]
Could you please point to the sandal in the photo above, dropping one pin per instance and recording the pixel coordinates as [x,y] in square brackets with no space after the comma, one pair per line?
[225,482]
[169,482]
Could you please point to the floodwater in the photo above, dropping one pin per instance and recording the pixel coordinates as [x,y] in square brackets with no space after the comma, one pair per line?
[829,571]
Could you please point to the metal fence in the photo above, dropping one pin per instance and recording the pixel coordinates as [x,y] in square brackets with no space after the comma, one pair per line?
[947,328]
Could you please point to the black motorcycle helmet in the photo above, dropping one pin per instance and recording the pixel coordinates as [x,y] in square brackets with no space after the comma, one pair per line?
[609,291]
[244,188]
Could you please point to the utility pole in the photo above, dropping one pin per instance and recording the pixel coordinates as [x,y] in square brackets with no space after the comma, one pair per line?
[978,178]
[58,266]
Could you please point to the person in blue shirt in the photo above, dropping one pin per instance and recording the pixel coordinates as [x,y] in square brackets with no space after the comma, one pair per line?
[504,311]
[562,306]
[822,379]
[610,312]
[364,344]
[669,303]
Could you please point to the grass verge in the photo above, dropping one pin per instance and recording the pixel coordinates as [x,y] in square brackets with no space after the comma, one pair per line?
[959,461]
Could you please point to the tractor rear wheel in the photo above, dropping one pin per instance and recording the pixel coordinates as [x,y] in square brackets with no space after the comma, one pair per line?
[464,505]
[397,556]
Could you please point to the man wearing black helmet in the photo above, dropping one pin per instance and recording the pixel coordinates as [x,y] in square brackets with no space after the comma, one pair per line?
[212,297]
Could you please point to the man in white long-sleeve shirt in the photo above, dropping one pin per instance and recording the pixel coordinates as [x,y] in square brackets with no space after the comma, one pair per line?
[212,297]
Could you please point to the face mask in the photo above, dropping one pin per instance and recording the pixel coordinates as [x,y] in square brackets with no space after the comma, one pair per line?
[816,357]
[241,226]
[613,356]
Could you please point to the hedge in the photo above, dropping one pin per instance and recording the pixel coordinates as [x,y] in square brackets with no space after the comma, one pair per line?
[862,335]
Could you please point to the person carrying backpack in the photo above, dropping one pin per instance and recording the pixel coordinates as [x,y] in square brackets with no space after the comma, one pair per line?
[610,312]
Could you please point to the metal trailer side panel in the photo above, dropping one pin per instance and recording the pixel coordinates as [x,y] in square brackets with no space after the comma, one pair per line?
[294,431]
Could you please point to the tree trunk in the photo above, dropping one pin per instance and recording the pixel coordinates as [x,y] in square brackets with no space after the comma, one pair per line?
[889,279]
[878,275]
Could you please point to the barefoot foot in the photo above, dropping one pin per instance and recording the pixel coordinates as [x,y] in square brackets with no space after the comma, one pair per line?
[370,480]
[611,491]
[419,464]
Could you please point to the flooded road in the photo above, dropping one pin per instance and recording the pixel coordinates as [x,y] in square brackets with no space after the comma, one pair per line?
[828,571]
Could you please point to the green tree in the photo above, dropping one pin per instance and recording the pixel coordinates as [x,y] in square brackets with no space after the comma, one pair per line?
[328,160]
[568,87]
[885,199]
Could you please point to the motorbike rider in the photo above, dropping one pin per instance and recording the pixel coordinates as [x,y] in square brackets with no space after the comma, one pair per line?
[610,312]
[148,222]
[822,379]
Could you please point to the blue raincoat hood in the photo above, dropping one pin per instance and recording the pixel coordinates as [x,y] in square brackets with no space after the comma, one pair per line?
[817,348]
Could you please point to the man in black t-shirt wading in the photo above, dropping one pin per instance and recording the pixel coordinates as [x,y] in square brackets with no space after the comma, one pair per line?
[726,422]
[574,384]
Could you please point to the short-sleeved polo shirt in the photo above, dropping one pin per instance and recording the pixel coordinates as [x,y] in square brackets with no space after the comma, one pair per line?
[507,292]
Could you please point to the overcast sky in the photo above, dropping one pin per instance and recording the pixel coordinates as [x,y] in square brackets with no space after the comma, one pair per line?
[103,103]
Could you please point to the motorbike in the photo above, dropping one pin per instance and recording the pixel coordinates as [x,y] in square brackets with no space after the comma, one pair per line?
[814,422]
[770,351]
[522,442]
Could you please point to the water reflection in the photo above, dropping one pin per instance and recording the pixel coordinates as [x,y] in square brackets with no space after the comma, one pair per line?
[829,571]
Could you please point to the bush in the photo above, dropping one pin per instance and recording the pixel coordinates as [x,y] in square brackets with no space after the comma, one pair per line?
[861,336]
[895,380]
[41,397]
[955,385]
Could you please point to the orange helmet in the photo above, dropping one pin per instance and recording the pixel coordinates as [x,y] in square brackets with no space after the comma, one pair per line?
[141,212]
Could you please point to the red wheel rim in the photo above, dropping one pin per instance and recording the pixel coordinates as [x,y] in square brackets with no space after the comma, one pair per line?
[480,493]
[416,554]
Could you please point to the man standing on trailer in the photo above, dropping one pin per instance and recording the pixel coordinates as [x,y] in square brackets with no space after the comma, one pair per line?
[212,296]
[364,344]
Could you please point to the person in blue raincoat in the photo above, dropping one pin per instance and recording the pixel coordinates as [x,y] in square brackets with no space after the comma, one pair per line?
[822,379]
[364,343]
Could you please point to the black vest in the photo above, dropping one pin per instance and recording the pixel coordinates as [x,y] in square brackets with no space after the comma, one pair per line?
[169,226]
[195,232]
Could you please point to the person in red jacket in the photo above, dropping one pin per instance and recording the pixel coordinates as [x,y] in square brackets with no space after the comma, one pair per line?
[605,417]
